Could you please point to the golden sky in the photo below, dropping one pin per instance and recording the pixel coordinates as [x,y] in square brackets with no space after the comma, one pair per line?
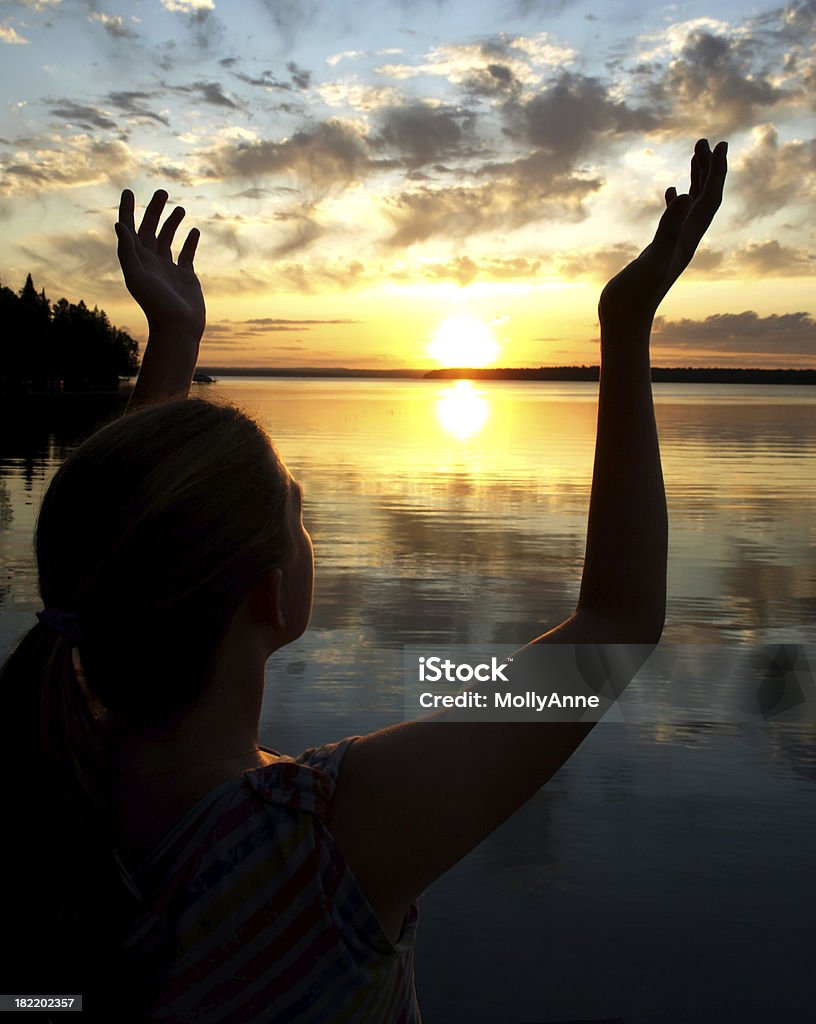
[366,175]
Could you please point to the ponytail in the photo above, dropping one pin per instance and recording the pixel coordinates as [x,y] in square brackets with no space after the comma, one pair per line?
[55,768]
[151,533]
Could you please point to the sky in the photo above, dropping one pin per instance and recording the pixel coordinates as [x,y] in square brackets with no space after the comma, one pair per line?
[405,183]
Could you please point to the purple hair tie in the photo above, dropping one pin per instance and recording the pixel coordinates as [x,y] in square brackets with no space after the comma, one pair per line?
[64,623]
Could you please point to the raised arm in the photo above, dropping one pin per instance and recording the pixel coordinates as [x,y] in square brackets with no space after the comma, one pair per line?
[169,294]
[415,798]
[624,578]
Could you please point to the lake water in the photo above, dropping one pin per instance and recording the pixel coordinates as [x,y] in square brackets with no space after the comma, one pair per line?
[667,872]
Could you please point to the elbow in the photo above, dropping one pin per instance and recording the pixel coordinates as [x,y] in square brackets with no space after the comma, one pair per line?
[641,627]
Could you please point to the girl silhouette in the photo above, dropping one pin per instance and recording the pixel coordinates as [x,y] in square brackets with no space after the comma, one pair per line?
[159,860]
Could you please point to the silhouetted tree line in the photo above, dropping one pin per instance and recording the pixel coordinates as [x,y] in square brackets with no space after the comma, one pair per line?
[670,374]
[59,347]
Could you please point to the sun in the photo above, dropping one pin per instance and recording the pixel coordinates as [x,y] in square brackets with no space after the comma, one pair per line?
[463,341]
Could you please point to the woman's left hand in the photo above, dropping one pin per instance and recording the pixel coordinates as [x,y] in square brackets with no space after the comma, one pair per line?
[631,298]
[169,293]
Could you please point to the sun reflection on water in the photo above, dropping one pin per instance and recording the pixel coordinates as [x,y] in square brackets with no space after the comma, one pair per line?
[462,410]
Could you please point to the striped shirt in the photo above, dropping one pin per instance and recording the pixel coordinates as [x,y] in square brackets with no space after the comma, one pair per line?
[248,913]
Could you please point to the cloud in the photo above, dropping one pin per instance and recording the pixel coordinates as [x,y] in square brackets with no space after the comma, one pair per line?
[464,270]
[715,74]
[68,262]
[131,102]
[82,116]
[358,95]
[38,5]
[319,277]
[188,6]
[114,25]
[310,278]
[207,92]
[780,335]
[770,259]
[329,153]
[301,78]
[77,161]
[306,230]
[519,193]
[265,80]
[772,175]
[260,326]
[572,114]
[289,16]
[599,264]
[10,35]
[755,260]
[469,62]
[421,134]
[335,58]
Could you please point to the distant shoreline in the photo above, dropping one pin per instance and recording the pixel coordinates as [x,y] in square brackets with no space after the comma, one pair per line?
[676,375]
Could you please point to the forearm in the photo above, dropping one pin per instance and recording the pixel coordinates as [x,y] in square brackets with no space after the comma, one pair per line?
[167,368]
[624,574]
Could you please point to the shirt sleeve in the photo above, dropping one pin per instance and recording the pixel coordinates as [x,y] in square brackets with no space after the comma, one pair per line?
[307,783]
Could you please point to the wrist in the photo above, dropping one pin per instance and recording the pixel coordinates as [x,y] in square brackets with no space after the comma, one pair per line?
[632,332]
[180,333]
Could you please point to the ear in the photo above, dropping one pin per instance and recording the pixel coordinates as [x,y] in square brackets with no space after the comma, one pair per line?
[266,600]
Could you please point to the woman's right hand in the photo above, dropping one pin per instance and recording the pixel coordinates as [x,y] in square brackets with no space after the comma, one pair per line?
[169,293]
[631,298]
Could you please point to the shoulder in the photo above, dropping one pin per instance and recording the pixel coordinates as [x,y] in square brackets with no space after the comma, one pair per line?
[304,783]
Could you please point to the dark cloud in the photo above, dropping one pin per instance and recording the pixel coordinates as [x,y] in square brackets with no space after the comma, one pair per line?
[261,193]
[207,92]
[327,154]
[132,102]
[496,79]
[82,116]
[271,323]
[782,335]
[421,134]
[714,82]
[261,326]
[169,172]
[572,115]
[774,174]
[301,78]
[771,259]
[265,80]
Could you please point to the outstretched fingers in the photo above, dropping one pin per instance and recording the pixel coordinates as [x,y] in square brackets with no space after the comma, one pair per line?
[700,163]
[188,250]
[708,201]
[165,237]
[150,220]
[126,251]
[127,203]
[671,224]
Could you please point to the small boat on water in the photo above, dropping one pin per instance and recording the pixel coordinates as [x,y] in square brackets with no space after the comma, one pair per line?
[203,378]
